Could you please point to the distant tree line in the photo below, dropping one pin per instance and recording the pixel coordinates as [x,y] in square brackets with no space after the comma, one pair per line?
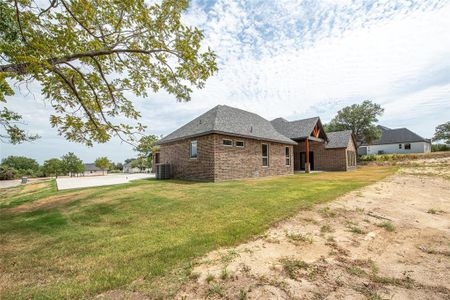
[13,167]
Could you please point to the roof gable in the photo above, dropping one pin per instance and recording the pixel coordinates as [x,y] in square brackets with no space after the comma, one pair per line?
[228,120]
[339,139]
[300,128]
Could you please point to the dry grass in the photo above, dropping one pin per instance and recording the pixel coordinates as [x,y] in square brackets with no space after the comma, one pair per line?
[143,235]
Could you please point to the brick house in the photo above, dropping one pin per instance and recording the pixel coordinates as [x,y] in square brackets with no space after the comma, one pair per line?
[229,143]
[333,151]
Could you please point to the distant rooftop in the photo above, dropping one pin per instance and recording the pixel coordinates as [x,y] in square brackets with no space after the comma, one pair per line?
[397,135]
[91,167]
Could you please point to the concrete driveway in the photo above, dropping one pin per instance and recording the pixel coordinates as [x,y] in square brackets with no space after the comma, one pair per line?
[66,183]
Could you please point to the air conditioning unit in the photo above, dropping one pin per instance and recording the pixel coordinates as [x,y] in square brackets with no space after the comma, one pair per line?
[163,171]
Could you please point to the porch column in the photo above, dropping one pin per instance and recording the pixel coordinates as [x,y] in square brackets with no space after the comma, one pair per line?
[307,165]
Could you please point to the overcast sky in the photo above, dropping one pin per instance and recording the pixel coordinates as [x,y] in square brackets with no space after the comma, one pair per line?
[293,59]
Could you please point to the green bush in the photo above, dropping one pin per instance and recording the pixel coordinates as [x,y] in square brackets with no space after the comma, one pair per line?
[370,157]
[440,147]
[114,171]
[21,163]
[389,157]
[7,173]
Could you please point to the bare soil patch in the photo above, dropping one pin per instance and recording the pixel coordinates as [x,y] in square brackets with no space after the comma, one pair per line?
[390,240]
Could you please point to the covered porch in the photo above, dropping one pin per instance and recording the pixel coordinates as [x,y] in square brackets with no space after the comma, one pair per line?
[306,151]
[307,154]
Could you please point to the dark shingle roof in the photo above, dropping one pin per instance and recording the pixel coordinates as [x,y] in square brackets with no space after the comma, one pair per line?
[228,120]
[295,129]
[399,135]
[338,139]
[91,167]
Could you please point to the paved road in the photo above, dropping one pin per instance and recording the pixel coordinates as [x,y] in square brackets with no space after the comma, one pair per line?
[66,183]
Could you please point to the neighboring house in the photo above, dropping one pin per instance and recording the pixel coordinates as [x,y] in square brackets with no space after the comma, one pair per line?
[127,168]
[400,140]
[92,170]
[229,143]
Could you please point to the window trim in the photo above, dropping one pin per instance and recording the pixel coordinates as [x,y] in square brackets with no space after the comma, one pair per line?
[239,141]
[287,156]
[230,145]
[266,157]
[196,149]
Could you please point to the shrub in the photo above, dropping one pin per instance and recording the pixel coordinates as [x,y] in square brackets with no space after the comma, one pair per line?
[440,147]
[298,237]
[21,163]
[7,173]
[357,230]
[370,157]
[387,225]
[216,289]
[326,228]
[292,266]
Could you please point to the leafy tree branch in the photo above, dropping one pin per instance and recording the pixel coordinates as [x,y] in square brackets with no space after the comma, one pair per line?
[90,56]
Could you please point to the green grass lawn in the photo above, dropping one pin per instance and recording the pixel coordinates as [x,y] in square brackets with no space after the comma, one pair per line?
[143,235]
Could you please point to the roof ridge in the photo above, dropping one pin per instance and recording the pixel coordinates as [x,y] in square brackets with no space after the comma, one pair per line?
[228,119]
[215,115]
[279,118]
[243,110]
[339,131]
[317,117]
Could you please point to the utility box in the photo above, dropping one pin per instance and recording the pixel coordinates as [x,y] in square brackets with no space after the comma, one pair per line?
[163,171]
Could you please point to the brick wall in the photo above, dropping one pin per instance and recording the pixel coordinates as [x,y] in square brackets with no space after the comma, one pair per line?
[234,162]
[217,162]
[183,167]
[324,159]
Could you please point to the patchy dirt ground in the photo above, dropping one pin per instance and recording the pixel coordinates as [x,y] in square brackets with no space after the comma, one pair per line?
[390,240]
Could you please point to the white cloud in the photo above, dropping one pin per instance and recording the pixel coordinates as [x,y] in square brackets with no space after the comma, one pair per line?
[348,52]
[297,59]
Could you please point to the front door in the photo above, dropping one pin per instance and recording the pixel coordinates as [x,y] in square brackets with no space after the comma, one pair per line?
[303,160]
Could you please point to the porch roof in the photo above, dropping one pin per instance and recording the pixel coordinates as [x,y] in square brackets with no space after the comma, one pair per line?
[299,129]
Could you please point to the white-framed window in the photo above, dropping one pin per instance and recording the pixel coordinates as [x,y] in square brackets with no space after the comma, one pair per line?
[399,146]
[407,146]
[193,150]
[239,144]
[288,156]
[227,142]
[265,155]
